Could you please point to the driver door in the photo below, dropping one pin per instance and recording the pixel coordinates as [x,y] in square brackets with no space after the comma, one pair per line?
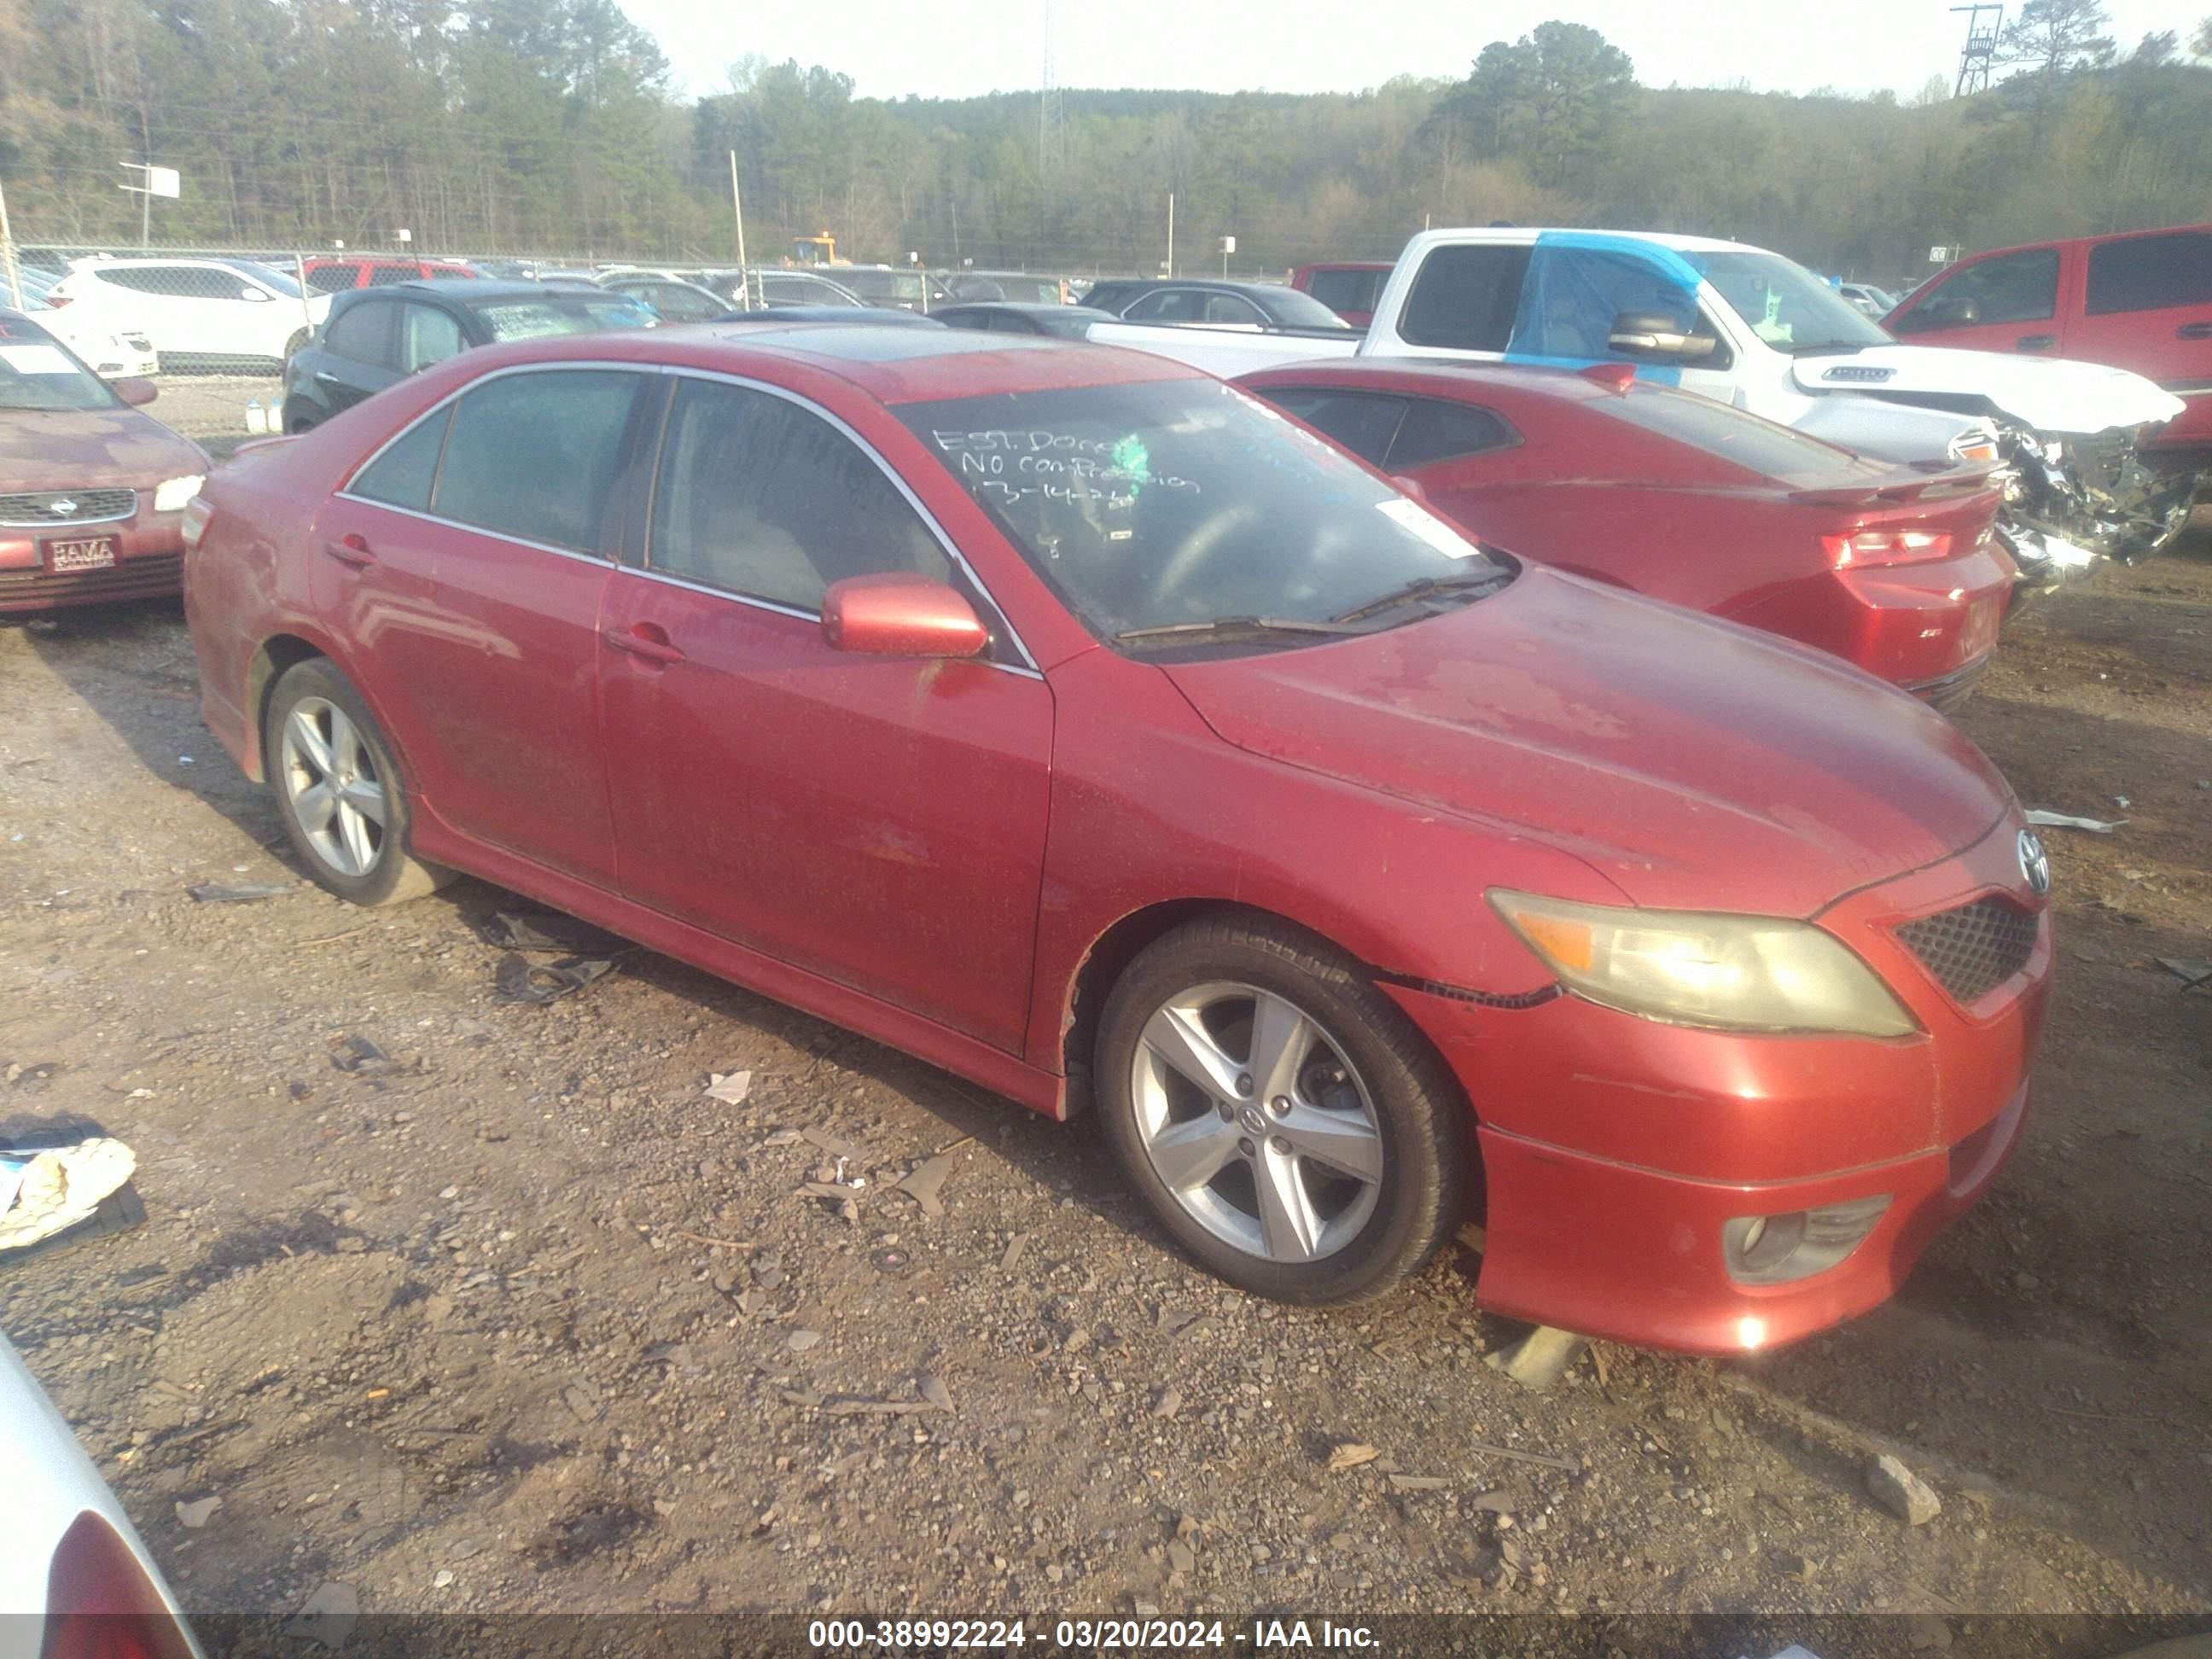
[1579,282]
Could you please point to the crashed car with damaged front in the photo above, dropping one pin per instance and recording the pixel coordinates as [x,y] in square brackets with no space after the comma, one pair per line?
[1751,328]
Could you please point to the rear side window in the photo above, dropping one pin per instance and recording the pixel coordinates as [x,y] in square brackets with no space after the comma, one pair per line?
[1737,436]
[2015,287]
[2151,273]
[402,475]
[1465,298]
[758,496]
[363,333]
[428,336]
[533,455]
[1361,421]
[1436,431]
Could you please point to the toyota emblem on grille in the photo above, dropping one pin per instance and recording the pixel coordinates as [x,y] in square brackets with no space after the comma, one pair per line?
[61,507]
[2034,863]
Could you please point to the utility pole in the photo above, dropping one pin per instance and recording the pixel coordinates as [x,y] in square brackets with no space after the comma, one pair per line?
[738,212]
[1170,233]
[8,266]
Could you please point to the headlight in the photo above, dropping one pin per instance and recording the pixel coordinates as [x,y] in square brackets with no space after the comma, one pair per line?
[172,495]
[1734,973]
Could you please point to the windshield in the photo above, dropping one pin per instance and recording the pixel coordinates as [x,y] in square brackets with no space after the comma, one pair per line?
[563,312]
[1294,308]
[1786,305]
[37,373]
[1185,502]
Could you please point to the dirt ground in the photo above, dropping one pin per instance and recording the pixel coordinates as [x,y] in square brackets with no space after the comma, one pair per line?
[520,1319]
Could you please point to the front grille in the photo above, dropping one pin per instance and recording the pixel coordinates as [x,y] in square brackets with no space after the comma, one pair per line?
[47,506]
[1975,948]
[148,577]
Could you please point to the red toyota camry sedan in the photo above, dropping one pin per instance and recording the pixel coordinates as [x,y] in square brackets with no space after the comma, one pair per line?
[1078,723]
[1893,567]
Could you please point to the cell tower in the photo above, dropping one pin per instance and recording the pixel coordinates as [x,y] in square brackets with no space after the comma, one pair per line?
[1981,46]
[1050,142]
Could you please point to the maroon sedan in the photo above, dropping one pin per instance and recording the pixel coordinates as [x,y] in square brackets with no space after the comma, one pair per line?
[91,493]
[1076,722]
[1892,567]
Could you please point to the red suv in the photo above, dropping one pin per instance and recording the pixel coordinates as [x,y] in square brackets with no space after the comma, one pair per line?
[1079,724]
[329,276]
[2139,300]
[1348,288]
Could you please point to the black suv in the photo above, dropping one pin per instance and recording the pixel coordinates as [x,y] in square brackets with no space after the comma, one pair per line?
[374,337]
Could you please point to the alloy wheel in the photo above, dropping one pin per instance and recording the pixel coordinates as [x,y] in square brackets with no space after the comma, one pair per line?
[331,780]
[1256,1123]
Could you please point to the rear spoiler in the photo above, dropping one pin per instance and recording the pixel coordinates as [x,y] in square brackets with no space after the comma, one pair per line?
[1955,482]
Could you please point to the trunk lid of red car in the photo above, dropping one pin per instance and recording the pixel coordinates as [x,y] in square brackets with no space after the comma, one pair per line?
[1699,765]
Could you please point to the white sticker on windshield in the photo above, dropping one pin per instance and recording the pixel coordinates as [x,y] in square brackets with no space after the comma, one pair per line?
[37,359]
[1412,515]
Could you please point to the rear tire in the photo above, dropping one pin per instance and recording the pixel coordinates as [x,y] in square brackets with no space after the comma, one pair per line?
[339,791]
[1284,1119]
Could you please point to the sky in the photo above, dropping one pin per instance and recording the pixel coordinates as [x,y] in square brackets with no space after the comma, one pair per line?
[894,47]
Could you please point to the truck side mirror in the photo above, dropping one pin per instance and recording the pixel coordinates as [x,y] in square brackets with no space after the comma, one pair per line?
[1652,334]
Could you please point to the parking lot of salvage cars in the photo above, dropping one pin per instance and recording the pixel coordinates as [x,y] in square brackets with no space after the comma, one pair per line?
[473,1304]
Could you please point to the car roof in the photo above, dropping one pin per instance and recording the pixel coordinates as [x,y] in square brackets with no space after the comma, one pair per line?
[1522,235]
[1349,264]
[2073,241]
[890,363]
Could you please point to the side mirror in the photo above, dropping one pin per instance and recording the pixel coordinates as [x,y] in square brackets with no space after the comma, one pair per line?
[901,615]
[135,392]
[1655,335]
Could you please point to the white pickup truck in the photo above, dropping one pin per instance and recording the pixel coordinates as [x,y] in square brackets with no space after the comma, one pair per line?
[1759,332]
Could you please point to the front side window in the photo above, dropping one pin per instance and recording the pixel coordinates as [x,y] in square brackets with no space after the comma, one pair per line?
[2012,287]
[2151,273]
[533,455]
[1186,505]
[1168,305]
[426,336]
[759,497]
[1228,308]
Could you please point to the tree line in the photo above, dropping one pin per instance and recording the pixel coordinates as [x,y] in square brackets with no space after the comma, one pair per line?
[551,125]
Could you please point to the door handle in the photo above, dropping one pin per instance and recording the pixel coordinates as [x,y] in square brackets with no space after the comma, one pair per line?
[350,549]
[2035,343]
[2194,331]
[645,640]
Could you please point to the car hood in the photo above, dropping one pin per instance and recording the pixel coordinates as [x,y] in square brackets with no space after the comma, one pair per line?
[78,449]
[2048,394]
[1698,765]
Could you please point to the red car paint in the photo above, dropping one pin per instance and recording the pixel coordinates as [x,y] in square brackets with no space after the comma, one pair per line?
[1593,477]
[337,275]
[934,852]
[1347,287]
[2139,299]
[51,454]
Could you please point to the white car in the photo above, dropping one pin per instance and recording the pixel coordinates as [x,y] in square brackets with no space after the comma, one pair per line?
[1875,302]
[110,355]
[75,1575]
[216,314]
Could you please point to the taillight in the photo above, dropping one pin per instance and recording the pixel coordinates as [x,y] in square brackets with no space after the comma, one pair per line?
[199,513]
[1982,449]
[101,1605]
[56,301]
[1886,547]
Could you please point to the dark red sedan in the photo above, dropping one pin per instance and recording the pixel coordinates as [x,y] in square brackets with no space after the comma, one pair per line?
[92,492]
[1892,567]
[1076,722]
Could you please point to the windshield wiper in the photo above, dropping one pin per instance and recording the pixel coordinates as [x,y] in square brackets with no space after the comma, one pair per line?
[1827,348]
[1191,630]
[1469,581]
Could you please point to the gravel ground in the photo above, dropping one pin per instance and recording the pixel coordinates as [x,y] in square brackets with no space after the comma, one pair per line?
[519,1318]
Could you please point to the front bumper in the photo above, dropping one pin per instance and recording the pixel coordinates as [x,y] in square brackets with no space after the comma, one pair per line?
[150,563]
[1616,1149]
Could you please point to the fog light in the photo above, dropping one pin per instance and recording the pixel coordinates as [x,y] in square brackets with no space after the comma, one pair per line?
[1773,1249]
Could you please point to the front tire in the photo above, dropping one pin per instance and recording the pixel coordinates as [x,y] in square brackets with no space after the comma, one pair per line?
[1285,1119]
[338,790]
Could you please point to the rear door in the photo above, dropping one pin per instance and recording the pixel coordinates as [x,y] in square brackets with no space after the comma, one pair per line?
[358,355]
[1998,302]
[467,562]
[876,821]
[2147,306]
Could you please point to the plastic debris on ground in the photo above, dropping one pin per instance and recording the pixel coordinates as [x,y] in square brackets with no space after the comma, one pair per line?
[518,979]
[731,1088]
[548,933]
[2044,819]
[51,1186]
[238,892]
[2193,972]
